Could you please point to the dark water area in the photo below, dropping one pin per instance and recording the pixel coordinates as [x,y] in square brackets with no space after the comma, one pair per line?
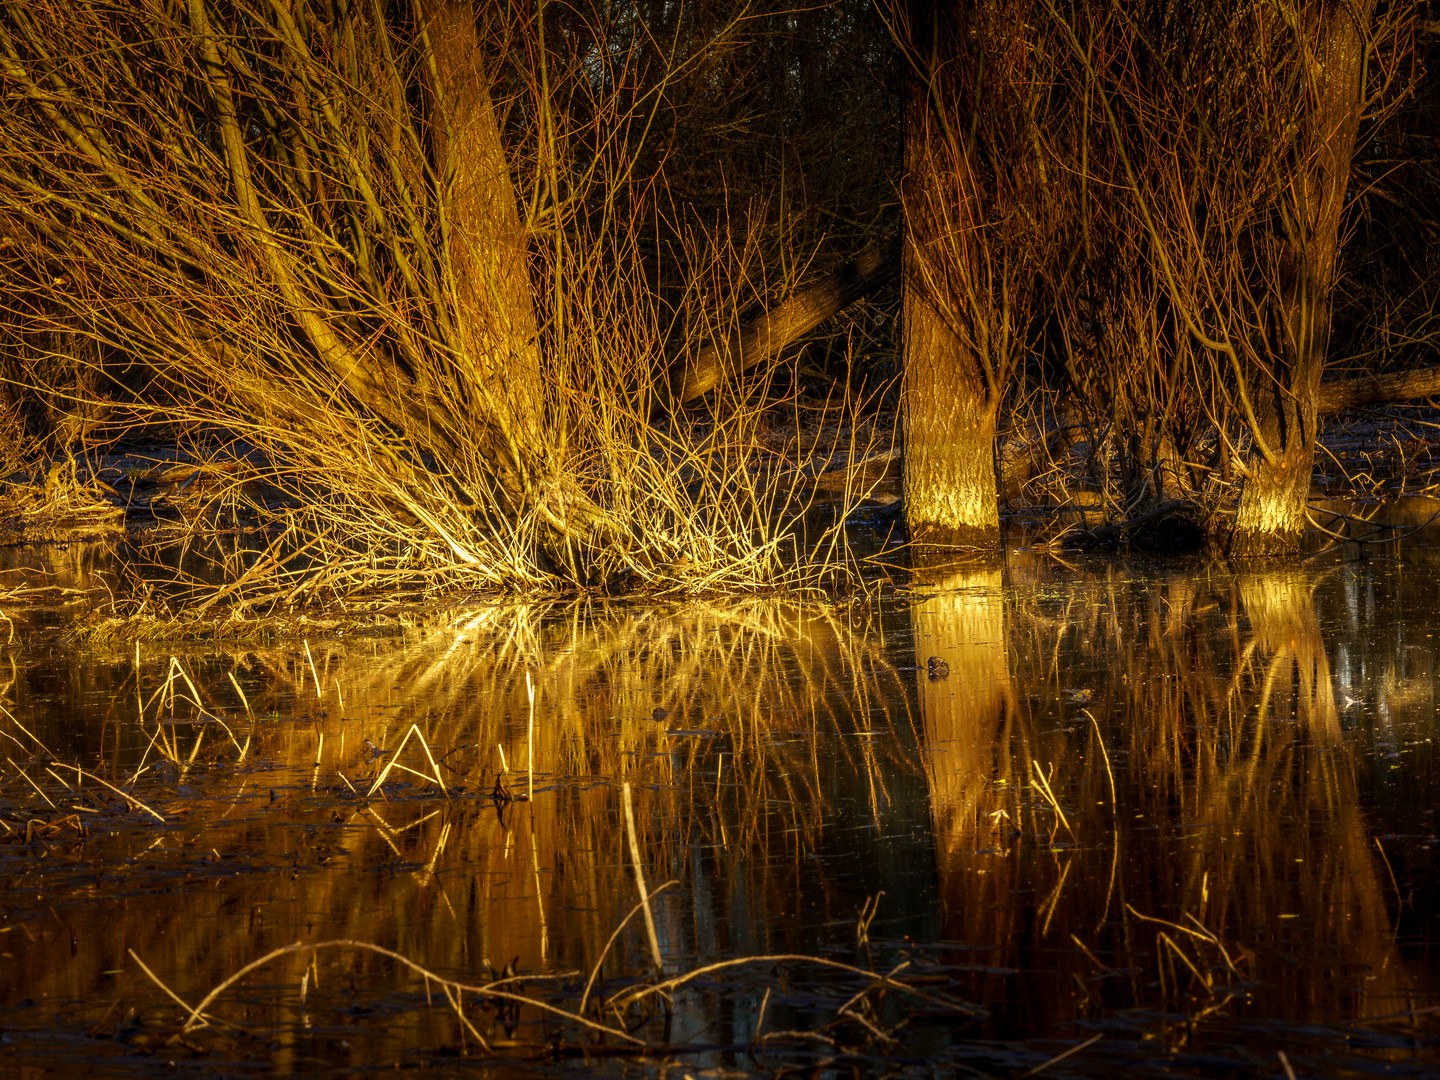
[1180,815]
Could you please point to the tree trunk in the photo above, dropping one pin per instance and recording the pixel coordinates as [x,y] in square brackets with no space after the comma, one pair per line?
[949,426]
[495,334]
[1271,516]
[975,201]
[947,410]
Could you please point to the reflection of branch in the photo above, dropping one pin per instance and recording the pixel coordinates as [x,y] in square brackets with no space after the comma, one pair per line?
[198,1018]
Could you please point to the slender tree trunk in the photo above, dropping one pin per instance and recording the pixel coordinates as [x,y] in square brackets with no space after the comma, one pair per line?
[1271,516]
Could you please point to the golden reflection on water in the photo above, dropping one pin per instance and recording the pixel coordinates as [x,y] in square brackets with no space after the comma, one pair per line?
[779,723]
[1179,828]
[1110,790]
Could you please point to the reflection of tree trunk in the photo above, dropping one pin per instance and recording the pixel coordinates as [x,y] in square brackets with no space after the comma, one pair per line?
[1271,514]
[1309,849]
[963,624]
[1281,609]
[966,715]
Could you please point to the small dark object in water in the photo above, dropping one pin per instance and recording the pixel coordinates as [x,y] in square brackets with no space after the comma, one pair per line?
[659,714]
[371,751]
[939,669]
[501,791]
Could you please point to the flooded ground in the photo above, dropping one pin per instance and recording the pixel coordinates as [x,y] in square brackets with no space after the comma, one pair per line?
[1177,818]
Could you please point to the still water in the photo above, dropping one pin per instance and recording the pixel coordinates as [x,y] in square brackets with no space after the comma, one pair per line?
[1180,816]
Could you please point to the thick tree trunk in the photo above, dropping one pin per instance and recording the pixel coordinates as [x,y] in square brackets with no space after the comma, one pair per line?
[1271,516]
[762,339]
[949,427]
[975,201]
[950,391]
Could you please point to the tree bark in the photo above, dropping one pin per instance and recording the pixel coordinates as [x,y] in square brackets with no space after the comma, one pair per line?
[1270,519]
[949,426]
[948,413]
[763,338]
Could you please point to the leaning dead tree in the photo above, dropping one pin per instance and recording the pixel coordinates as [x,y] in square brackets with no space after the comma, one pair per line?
[695,374]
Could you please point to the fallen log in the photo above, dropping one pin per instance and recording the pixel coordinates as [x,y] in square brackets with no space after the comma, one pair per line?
[762,338]
[1378,389]
[1025,453]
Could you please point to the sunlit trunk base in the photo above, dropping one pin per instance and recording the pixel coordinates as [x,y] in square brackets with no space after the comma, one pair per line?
[950,497]
[949,481]
[1270,519]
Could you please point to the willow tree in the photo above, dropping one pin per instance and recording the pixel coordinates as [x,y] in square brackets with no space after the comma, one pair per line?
[1327,42]
[1229,132]
[397,250]
[972,192]
[303,222]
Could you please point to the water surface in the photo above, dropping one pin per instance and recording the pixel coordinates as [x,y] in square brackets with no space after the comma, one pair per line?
[1184,807]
